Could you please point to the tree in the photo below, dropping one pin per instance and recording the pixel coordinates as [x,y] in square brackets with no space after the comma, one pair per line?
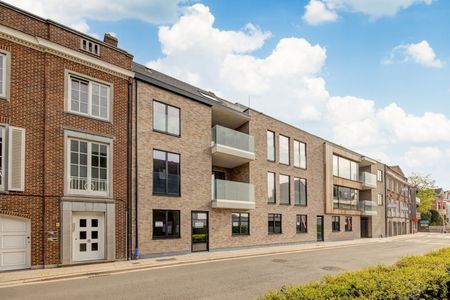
[426,197]
[420,182]
[425,188]
[436,218]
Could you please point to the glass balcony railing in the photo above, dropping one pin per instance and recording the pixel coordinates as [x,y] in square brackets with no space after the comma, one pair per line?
[231,138]
[368,208]
[233,192]
[368,179]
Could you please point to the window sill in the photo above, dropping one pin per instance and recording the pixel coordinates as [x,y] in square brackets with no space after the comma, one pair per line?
[238,235]
[272,203]
[73,113]
[166,195]
[301,205]
[287,204]
[300,168]
[275,233]
[167,133]
[303,232]
[283,164]
[165,238]
[335,231]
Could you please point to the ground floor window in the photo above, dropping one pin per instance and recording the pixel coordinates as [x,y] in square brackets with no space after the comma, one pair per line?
[240,224]
[274,223]
[348,224]
[336,223]
[166,224]
[302,224]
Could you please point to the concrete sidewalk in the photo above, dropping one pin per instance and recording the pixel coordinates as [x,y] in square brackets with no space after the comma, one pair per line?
[14,278]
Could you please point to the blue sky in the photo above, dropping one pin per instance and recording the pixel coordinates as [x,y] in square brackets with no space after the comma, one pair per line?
[371,76]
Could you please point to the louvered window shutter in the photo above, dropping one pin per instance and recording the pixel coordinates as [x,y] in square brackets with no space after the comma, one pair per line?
[16,159]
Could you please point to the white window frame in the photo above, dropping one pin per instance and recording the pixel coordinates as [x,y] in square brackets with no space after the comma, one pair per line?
[6,75]
[72,75]
[89,138]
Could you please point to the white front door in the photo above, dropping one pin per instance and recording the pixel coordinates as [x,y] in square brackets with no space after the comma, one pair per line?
[88,236]
[14,243]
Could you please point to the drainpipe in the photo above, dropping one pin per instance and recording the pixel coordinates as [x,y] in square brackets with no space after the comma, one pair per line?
[129,169]
[136,249]
[385,203]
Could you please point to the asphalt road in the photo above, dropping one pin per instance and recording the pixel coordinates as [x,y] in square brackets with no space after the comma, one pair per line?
[244,278]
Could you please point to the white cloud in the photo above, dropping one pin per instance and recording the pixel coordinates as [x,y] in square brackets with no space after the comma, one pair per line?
[321,11]
[317,13]
[75,13]
[223,60]
[420,53]
[417,157]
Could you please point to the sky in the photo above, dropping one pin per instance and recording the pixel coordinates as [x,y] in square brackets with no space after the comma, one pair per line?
[373,76]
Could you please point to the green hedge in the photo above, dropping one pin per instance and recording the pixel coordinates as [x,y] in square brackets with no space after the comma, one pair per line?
[418,277]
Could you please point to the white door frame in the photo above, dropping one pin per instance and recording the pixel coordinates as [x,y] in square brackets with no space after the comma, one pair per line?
[28,241]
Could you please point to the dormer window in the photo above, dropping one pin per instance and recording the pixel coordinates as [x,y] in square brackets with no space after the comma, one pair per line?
[90,47]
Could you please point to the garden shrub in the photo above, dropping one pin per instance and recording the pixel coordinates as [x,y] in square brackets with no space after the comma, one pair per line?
[417,277]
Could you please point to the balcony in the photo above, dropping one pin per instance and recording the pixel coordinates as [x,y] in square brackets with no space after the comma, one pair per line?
[368,180]
[231,148]
[368,208]
[232,194]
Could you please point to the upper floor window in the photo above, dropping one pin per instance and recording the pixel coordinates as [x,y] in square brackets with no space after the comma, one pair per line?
[284,149]
[270,145]
[89,98]
[380,199]
[271,194]
[345,198]
[380,175]
[166,118]
[90,47]
[12,158]
[285,189]
[166,173]
[300,191]
[299,154]
[345,168]
[2,75]
[89,167]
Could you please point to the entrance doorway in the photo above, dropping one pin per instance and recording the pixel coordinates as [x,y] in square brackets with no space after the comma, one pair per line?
[88,236]
[200,231]
[320,228]
[365,227]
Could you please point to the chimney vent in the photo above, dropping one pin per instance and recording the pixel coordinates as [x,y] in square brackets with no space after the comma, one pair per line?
[110,39]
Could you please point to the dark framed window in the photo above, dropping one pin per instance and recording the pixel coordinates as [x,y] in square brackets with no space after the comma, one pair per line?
[271,188]
[274,223]
[166,224]
[240,223]
[285,188]
[271,145]
[336,223]
[302,223]
[348,224]
[345,168]
[299,154]
[166,173]
[300,191]
[345,198]
[284,149]
[166,118]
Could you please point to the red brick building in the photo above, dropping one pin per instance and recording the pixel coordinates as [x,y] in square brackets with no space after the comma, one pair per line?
[63,144]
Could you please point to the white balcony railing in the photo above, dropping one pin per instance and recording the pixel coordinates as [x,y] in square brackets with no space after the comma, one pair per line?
[84,184]
[368,180]
[232,194]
